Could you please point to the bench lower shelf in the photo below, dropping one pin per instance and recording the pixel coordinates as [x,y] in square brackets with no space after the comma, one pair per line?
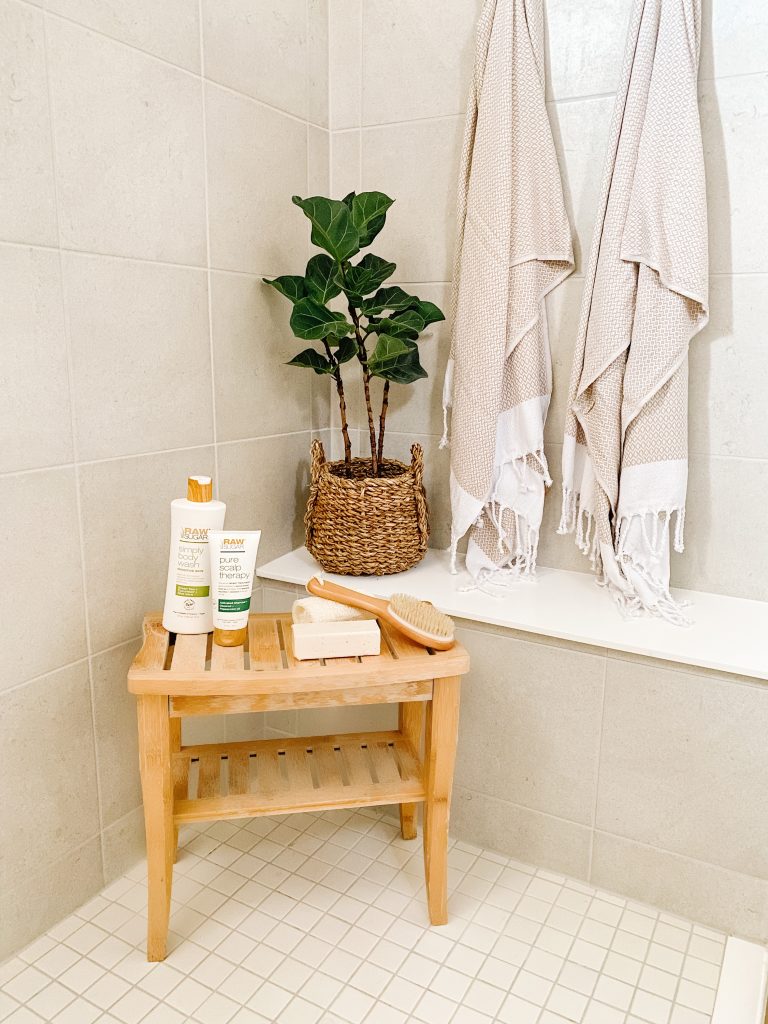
[239,780]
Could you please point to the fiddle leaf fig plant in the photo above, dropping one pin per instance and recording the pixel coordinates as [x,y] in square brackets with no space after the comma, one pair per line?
[378,326]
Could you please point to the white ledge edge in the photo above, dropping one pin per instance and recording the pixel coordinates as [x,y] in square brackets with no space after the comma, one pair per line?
[729,634]
[742,989]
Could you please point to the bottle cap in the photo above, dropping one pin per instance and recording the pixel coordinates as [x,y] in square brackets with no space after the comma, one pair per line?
[230,637]
[199,488]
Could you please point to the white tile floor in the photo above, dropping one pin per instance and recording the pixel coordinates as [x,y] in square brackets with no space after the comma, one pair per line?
[321,918]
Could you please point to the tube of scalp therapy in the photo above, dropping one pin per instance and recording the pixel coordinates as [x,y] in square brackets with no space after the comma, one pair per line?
[233,561]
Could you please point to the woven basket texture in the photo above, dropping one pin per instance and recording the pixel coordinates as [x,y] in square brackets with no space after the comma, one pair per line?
[359,525]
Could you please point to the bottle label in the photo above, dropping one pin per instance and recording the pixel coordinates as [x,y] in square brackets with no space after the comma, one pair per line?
[234,604]
[186,591]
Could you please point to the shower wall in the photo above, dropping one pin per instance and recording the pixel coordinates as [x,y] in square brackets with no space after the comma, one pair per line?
[146,170]
[145,179]
[398,91]
[640,776]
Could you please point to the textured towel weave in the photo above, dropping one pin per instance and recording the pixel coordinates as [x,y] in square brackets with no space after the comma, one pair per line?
[625,451]
[514,246]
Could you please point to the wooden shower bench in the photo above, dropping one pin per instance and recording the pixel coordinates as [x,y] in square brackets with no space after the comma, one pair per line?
[176,677]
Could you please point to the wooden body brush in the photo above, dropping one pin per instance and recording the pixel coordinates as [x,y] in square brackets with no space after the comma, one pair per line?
[418,620]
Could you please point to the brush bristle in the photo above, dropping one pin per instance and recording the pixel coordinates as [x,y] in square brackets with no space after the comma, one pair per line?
[422,615]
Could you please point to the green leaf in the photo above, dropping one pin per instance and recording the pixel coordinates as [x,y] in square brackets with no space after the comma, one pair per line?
[386,353]
[332,226]
[311,321]
[313,360]
[321,278]
[403,325]
[347,200]
[429,311]
[389,298]
[369,212]
[346,350]
[291,286]
[369,274]
[400,365]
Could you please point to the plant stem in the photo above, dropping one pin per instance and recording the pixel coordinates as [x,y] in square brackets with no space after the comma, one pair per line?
[342,405]
[362,356]
[383,420]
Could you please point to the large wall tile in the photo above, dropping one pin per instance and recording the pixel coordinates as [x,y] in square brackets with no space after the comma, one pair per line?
[580,130]
[734,121]
[317,62]
[42,575]
[417,58]
[526,835]
[259,47]
[49,766]
[726,543]
[708,894]
[256,393]
[345,162]
[34,372]
[123,844]
[734,38]
[265,484]
[129,151]
[169,29]
[418,407]
[117,747]
[152,355]
[257,159]
[27,193]
[318,161]
[126,528]
[530,725]
[729,371]
[346,59]
[586,43]
[417,165]
[683,765]
[45,896]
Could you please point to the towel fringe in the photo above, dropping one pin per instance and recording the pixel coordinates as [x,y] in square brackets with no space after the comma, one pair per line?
[655,525]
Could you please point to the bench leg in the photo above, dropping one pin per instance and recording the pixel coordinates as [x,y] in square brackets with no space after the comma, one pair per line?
[440,756]
[410,723]
[174,727]
[157,791]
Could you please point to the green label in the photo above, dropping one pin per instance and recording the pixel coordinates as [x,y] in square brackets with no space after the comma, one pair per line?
[234,604]
[182,591]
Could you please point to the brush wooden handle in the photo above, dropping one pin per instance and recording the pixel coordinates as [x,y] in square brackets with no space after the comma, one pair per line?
[351,598]
[380,607]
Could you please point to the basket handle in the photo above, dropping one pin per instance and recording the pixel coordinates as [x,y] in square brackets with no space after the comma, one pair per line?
[317,462]
[422,512]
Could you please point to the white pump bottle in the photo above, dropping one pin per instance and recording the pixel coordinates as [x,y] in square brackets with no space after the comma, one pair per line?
[188,606]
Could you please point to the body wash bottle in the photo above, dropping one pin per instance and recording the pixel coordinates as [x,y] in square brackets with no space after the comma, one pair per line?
[188,593]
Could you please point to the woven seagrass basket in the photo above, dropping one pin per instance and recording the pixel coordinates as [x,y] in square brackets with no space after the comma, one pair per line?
[359,525]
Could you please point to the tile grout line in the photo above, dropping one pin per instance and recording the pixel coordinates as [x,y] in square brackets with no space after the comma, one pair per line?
[209,276]
[65,310]
[597,766]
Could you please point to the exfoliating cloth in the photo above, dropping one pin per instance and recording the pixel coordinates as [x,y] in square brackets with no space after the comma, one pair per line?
[317,609]
[625,453]
[514,246]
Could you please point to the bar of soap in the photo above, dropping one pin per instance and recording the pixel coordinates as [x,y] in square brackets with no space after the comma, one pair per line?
[336,639]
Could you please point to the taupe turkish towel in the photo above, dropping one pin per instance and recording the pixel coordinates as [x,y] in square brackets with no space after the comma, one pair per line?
[514,246]
[625,452]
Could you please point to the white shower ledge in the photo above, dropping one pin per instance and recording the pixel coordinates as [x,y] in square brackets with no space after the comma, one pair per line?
[729,634]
